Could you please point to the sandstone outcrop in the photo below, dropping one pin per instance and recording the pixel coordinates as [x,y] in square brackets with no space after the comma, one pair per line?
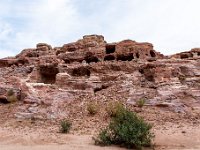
[192,54]
[91,67]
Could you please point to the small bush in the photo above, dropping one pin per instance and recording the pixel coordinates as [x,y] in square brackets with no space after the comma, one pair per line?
[126,129]
[10,92]
[112,108]
[141,102]
[65,126]
[92,108]
[11,97]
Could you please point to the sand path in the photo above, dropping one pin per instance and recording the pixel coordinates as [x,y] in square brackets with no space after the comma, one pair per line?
[169,137]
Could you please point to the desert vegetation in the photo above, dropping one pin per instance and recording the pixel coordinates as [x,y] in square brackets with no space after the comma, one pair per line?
[92,108]
[65,126]
[11,97]
[140,103]
[126,129]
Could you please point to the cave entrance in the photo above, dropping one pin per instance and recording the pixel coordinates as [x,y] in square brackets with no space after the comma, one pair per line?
[124,57]
[67,61]
[183,56]
[198,53]
[152,53]
[91,58]
[4,100]
[110,49]
[109,58]
[186,55]
[48,74]
[81,71]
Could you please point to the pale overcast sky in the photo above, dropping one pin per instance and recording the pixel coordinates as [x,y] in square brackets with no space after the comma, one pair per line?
[171,25]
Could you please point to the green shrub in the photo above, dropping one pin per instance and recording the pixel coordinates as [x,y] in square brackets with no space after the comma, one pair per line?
[112,108]
[65,126]
[126,129]
[103,138]
[92,108]
[141,102]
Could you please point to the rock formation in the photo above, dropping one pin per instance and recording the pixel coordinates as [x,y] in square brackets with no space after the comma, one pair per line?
[91,68]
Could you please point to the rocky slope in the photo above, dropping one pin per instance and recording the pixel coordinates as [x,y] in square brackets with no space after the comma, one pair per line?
[56,83]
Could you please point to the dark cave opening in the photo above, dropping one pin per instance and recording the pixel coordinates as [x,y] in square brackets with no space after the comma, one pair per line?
[81,71]
[187,55]
[3,100]
[89,57]
[109,58]
[152,53]
[137,55]
[125,57]
[110,49]
[48,74]
[67,61]
[183,56]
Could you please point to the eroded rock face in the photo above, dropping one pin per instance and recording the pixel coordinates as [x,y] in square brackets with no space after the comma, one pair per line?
[95,49]
[126,69]
[192,54]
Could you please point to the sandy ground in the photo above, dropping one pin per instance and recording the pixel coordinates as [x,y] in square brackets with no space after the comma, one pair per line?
[40,134]
[173,137]
[38,141]
[170,137]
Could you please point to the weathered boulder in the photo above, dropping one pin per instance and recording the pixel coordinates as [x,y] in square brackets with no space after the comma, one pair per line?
[192,54]
[43,46]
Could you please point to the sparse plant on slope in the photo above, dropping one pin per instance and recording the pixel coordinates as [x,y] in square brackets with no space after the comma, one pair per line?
[65,126]
[92,108]
[140,103]
[113,107]
[126,129]
[11,97]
